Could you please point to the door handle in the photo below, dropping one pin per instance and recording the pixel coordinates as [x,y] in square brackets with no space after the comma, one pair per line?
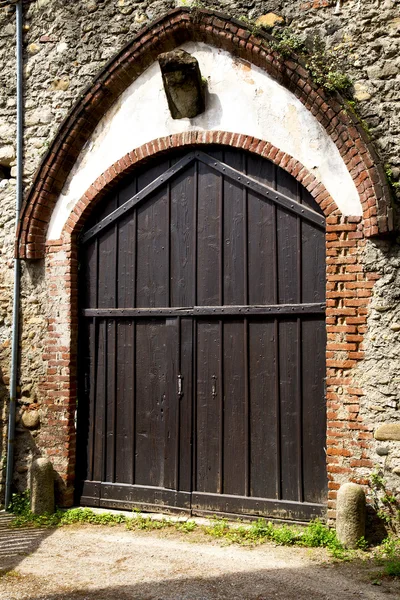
[180,392]
[214,386]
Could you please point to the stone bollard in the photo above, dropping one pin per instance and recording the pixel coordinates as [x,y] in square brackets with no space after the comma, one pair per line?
[350,519]
[42,487]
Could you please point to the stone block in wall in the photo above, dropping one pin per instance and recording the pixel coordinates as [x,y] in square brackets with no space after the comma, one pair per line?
[388,431]
[182,83]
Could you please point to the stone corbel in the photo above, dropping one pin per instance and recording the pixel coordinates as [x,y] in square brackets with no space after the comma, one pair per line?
[183,84]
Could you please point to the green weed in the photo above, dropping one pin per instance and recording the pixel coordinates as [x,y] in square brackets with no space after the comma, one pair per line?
[20,503]
[388,556]
[186,526]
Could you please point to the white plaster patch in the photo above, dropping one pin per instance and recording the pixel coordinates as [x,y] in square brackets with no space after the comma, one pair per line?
[241,99]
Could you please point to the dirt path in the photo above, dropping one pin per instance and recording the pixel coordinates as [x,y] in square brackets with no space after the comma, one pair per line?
[103,563]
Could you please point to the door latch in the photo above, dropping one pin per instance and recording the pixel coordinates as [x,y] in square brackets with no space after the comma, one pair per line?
[214,386]
[180,392]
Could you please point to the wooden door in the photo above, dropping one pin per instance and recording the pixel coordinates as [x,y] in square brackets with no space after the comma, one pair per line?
[202,341]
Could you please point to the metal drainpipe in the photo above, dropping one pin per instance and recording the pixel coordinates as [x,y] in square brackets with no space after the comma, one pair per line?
[17,264]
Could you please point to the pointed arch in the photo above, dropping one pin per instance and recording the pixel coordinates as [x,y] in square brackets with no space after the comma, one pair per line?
[173,29]
[137,157]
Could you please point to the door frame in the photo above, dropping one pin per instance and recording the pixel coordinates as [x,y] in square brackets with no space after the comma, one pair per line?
[98,485]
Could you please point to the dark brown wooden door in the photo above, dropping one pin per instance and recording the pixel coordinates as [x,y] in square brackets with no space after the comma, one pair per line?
[202,341]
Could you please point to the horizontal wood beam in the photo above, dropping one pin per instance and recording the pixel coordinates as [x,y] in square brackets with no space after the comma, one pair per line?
[226,310]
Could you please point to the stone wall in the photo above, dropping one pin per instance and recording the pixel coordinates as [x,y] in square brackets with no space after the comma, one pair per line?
[66,45]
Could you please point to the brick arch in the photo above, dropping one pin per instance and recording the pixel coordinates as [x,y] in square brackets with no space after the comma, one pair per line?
[349,290]
[120,169]
[173,29]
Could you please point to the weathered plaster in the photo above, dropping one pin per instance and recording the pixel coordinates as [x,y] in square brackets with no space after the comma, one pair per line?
[241,98]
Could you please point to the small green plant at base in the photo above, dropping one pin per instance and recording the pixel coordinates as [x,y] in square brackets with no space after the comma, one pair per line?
[20,503]
[388,556]
[186,526]
[392,568]
[385,503]
[362,544]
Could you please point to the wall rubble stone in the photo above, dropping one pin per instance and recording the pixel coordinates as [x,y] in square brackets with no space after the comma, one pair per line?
[67,44]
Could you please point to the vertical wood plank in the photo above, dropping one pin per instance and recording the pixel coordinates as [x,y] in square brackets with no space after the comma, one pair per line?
[208,407]
[171,421]
[89,275]
[107,268]
[307,199]
[288,364]
[288,276]
[152,240]
[157,370]
[150,390]
[313,282]
[111,401]
[261,248]
[92,348]
[287,185]
[195,228]
[262,170]
[264,445]
[124,445]
[183,235]
[314,410]
[208,236]
[185,405]
[299,401]
[234,269]
[100,403]
[234,409]
[126,261]
[152,253]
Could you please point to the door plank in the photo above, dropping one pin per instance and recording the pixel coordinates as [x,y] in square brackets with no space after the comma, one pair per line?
[185,403]
[288,364]
[314,410]
[234,414]
[208,237]
[234,238]
[264,445]
[208,416]
[261,251]
[99,416]
[152,252]
[183,205]
[125,399]
[156,376]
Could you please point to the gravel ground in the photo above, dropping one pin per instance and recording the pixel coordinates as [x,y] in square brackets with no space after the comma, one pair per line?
[108,563]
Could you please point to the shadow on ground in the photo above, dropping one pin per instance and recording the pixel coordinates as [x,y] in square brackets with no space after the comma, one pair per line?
[274,584]
[16,544]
